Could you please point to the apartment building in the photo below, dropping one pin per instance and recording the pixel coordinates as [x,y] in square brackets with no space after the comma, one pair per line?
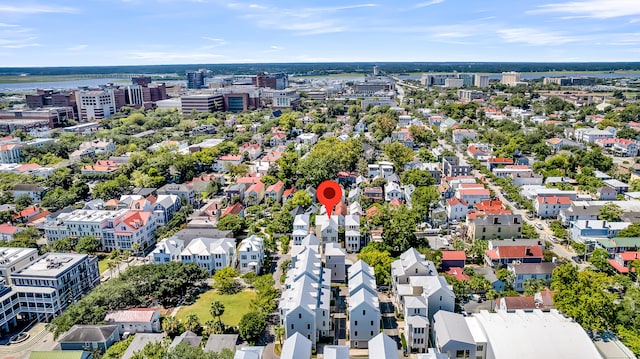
[95,104]
[12,259]
[495,226]
[211,254]
[364,309]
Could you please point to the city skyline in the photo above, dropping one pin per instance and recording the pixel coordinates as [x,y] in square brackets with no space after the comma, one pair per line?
[145,32]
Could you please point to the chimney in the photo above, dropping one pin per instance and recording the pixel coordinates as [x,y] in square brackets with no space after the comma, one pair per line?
[528,251]
[586,224]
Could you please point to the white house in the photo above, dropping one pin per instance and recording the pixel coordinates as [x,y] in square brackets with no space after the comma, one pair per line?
[165,206]
[437,292]
[223,162]
[334,258]
[360,266]
[473,195]
[327,228]
[364,318]
[456,208]
[383,347]
[411,263]
[352,233]
[550,207]
[138,320]
[211,254]
[167,250]
[416,324]
[250,254]
[392,190]
[296,347]
[300,228]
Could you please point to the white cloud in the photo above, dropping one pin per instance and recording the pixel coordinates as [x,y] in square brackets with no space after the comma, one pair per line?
[2,24]
[36,9]
[427,3]
[216,41]
[533,36]
[77,47]
[274,47]
[598,9]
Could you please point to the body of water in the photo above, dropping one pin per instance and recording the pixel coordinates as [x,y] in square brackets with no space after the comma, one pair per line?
[73,84]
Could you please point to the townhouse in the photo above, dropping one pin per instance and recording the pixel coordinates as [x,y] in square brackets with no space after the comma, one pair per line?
[494,226]
[456,208]
[472,193]
[326,228]
[211,254]
[300,228]
[334,259]
[274,192]
[305,301]
[250,254]
[352,233]
[530,271]
[550,207]
[167,250]
[589,231]
[364,308]
[181,190]
[505,255]
[254,194]
[458,136]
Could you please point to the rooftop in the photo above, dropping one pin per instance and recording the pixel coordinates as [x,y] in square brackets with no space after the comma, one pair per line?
[51,265]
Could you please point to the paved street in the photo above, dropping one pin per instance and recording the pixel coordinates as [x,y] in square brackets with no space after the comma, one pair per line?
[40,339]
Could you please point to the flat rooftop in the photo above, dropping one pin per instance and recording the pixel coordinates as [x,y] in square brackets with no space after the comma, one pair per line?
[8,256]
[50,265]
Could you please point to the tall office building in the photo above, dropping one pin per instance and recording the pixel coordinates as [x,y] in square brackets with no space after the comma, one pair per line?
[511,78]
[481,81]
[195,79]
[96,104]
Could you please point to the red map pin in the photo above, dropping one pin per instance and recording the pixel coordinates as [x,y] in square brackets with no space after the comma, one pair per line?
[329,193]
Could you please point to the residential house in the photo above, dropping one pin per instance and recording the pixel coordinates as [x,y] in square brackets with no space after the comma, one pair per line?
[619,186]
[225,162]
[167,250]
[472,194]
[100,168]
[488,274]
[411,263]
[511,304]
[549,207]
[326,228]
[382,347]
[352,233]
[251,150]
[619,244]
[495,162]
[189,338]
[535,271]
[591,230]
[456,208]
[92,337]
[254,194]
[355,209]
[452,336]
[334,259]
[360,266]
[304,304]
[526,178]
[274,192]
[381,169]
[511,170]
[619,146]
[374,194]
[460,135]
[165,206]
[455,166]
[392,190]
[578,212]
[437,292]
[8,231]
[296,347]
[606,193]
[622,261]
[300,228]
[453,259]
[479,152]
[137,320]
[336,352]
[35,192]
[249,352]
[277,139]
[364,317]
[416,324]
[235,190]
[250,254]
[216,343]
[308,139]
[503,256]
[590,135]
[492,226]
[181,190]
[210,254]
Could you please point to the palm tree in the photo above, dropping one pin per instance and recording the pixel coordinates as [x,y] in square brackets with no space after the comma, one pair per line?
[191,323]
[171,326]
[279,331]
[216,310]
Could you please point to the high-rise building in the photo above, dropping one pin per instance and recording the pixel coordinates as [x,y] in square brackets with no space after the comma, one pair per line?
[279,81]
[376,71]
[511,78]
[195,79]
[481,81]
[96,104]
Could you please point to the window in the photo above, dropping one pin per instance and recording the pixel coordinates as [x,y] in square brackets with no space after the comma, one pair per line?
[308,326]
[372,322]
[355,333]
[355,323]
[291,326]
[372,333]
[479,348]
[299,315]
[364,312]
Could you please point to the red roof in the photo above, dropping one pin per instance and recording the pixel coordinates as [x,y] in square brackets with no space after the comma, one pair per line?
[230,158]
[517,167]
[500,160]
[256,187]
[29,211]
[39,216]
[6,228]
[619,267]
[554,200]
[341,209]
[289,192]
[454,256]
[474,150]
[136,219]
[630,256]
[457,273]
[234,209]
[28,167]
[276,187]
[489,205]
[396,202]
[515,252]
[249,179]
[470,185]
[372,211]
[454,201]
[519,302]
[474,192]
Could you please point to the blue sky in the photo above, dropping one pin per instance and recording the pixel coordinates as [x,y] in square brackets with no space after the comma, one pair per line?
[139,32]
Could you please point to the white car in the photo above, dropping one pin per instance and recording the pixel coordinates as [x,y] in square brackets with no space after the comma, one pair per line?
[538,225]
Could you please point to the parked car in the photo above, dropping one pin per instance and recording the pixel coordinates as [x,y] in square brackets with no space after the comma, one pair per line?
[538,225]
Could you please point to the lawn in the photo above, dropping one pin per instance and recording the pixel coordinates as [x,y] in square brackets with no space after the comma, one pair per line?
[103,265]
[235,306]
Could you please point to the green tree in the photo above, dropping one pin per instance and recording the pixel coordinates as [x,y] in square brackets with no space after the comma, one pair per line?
[66,244]
[232,222]
[300,198]
[192,324]
[279,331]
[171,326]
[251,326]
[417,178]
[426,155]
[423,199]
[398,154]
[23,201]
[116,351]
[225,281]
[632,231]
[600,259]
[529,231]
[88,244]
[532,286]
[375,255]
[216,310]
[610,212]
[399,229]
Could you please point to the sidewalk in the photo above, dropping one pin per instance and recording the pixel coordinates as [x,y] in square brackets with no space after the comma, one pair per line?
[40,339]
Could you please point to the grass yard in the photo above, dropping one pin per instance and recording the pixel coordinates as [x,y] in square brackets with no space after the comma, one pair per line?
[103,265]
[235,306]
